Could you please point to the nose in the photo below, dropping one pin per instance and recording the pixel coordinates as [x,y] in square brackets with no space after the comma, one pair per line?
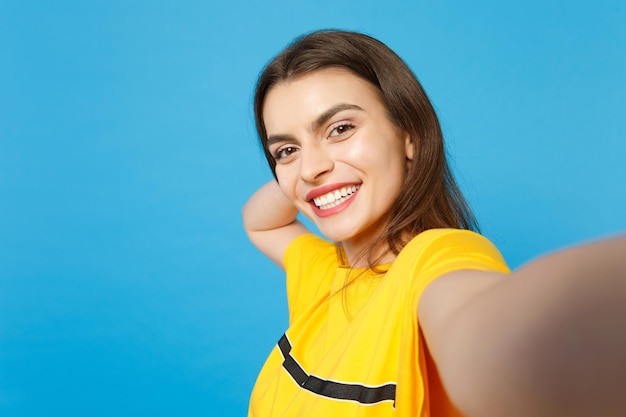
[314,163]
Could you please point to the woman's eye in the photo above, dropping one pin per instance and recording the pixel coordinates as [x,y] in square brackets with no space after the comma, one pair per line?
[285,152]
[342,129]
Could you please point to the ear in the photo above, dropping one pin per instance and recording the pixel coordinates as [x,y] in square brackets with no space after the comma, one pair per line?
[408,147]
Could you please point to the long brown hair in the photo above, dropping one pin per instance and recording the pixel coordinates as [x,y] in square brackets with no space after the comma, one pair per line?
[430,197]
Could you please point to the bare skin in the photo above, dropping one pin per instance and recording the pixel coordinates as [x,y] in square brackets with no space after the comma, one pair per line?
[547,340]
[330,134]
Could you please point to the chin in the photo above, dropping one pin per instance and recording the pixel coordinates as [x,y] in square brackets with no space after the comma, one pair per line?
[335,235]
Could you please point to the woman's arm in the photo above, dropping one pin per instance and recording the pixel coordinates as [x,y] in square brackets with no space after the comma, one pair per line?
[270,221]
[549,340]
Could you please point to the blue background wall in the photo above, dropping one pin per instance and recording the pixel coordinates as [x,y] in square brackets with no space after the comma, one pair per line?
[127,148]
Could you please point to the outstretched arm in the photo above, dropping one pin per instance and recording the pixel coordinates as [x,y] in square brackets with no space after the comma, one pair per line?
[549,340]
[270,221]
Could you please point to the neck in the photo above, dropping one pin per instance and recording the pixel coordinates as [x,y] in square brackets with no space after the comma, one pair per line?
[358,256]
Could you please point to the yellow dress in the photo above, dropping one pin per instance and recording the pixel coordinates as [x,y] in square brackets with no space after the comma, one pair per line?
[360,352]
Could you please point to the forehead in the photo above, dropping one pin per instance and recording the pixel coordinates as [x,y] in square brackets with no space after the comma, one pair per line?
[304,98]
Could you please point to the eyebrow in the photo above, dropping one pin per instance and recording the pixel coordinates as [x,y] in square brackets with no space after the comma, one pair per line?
[321,119]
[324,117]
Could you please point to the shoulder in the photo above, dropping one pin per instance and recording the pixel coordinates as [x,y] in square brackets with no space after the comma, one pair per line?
[307,248]
[438,251]
[310,263]
[449,237]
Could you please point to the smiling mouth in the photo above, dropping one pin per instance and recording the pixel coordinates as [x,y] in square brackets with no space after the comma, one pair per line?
[334,198]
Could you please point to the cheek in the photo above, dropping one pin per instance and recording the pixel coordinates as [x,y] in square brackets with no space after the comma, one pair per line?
[380,160]
[352,152]
[286,180]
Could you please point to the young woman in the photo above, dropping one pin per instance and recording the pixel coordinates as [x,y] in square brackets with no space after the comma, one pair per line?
[402,309]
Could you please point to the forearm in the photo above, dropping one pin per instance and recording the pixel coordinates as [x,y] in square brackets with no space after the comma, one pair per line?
[270,220]
[548,341]
[268,209]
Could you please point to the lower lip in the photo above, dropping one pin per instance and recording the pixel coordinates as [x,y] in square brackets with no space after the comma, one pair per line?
[334,210]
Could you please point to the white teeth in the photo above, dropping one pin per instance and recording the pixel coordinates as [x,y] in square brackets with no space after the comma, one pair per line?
[334,198]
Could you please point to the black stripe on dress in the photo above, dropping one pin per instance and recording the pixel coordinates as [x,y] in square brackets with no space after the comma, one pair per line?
[332,389]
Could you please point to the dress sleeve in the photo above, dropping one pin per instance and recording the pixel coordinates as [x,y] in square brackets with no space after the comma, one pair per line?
[447,250]
[310,264]
[438,251]
[428,256]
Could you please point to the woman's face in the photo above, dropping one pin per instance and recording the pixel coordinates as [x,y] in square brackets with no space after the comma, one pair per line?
[339,158]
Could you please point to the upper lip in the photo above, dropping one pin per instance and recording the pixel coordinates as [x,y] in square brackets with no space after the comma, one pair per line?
[325,189]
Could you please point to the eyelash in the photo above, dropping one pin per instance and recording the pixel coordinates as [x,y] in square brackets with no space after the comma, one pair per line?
[349,126]
[278,155]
